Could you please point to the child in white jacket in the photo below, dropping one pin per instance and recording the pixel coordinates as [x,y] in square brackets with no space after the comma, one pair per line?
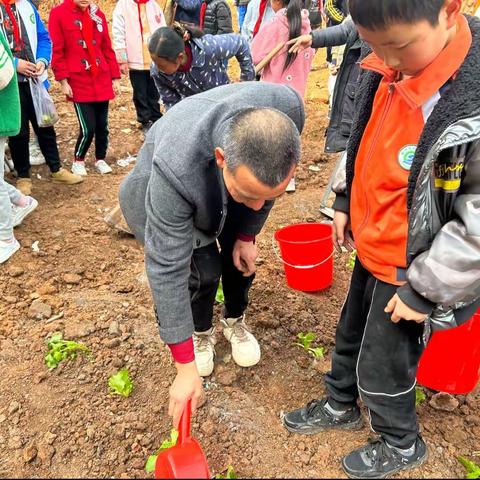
[133,23]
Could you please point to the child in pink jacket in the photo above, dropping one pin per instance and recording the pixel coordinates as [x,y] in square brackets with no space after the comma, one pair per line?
[289,22]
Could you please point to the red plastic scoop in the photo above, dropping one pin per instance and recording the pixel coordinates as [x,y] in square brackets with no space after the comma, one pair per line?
[186,459]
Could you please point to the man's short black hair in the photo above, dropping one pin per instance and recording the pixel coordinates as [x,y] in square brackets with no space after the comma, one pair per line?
[381,14]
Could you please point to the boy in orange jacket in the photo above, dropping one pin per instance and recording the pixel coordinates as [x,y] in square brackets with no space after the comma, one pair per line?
[412,208]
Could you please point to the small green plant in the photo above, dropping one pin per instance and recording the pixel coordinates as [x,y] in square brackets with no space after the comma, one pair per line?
[169,443]
[230,473]
[420,396]
[59,350]
[351,260]
[305,341]
[220,297]
[473,470]
[121,383]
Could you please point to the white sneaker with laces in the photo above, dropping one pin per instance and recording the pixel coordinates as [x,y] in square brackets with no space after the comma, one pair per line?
[78,168]
[102,167]
[204,347]
[8,248]
[245,348]
[19,213]
[36,156]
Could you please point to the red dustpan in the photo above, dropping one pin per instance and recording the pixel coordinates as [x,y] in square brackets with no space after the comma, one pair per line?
[186,459]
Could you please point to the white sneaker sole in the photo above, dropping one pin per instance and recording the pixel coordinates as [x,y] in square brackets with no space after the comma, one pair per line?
[26,211]
[7,253]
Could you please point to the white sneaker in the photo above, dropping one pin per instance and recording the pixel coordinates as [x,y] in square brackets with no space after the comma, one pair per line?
[102,167]
[291,185]
[245,348]
[8,248]
[204,347]
[19,213]
[78,168]
[36,156]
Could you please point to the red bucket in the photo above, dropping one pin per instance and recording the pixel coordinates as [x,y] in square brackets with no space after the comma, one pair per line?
[307,255]
[451,360]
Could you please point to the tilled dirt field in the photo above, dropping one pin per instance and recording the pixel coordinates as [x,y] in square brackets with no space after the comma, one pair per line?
[63,423]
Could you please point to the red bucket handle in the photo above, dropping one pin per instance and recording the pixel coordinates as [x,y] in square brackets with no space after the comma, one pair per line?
[300,267]
[184,428]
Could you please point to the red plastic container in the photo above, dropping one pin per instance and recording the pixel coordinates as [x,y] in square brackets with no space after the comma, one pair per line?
[451,360]
[186,459]
[307,254]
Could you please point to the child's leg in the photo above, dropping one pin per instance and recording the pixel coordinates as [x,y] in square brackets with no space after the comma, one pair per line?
[139,81]
[101,130]
[87,121]
[153,99]
[387,365]
[18,144]
[6,225]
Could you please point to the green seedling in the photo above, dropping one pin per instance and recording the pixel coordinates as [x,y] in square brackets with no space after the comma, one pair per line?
[169,443]
[220,297]
[473,470]
[305,341]
[230,473]
[59,350]
[351,260]
[420,396]
[121,383]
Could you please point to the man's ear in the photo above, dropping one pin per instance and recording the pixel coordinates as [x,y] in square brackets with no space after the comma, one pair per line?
[453,9]
[220,157]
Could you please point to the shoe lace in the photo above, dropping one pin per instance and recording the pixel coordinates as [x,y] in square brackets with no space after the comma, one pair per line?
[378,452]
[201,343]
[240,330]
[314,406]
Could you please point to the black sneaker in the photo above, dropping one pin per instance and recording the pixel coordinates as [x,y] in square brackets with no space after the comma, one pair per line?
[378,460]
[314,418]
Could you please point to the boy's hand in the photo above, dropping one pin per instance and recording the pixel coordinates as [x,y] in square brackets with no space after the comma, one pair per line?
[341,232]
[300,43]
[27,69]
[401,311]
[40,68]
[66,88]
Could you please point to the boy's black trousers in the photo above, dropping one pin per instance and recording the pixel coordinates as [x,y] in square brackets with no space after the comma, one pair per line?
[145,96]
[376,359]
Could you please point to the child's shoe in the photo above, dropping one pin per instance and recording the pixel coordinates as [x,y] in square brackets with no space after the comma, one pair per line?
[318,416]
[78,168]
[102,167]
[8,248]
[64,176]
[25,186]
[19,213]
[377,459]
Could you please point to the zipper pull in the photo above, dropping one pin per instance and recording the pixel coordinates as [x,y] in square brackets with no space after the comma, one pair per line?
[391,88]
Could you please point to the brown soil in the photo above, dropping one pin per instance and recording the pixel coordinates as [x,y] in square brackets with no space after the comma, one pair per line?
[63,423]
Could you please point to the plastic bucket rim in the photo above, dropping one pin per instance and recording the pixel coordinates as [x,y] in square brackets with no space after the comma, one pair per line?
[301,242]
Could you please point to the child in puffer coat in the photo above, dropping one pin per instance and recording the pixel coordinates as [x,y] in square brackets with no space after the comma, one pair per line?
[215,17]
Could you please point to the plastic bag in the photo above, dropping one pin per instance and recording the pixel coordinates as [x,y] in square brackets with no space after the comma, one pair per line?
[45,109]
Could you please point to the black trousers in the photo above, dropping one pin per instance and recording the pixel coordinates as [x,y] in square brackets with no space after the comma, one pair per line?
[47,138]
[93,120]
[208,265]
[330,23]
[145,96]
[377,359]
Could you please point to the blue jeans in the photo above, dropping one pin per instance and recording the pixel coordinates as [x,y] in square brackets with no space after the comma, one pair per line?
[242,10]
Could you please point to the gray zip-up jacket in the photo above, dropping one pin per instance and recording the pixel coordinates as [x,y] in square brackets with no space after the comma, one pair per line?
[443,200]
[175,199]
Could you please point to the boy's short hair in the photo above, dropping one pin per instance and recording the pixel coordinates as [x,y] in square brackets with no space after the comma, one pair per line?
[381,14]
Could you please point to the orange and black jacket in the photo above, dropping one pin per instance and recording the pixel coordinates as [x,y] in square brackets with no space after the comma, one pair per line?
[413,179]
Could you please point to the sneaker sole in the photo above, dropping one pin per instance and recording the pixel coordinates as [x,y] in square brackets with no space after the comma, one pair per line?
[413,465]
[27,212]
[69,183]
[11,253]
[357,425]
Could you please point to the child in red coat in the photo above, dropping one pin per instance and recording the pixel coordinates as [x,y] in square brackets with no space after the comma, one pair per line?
[84,62]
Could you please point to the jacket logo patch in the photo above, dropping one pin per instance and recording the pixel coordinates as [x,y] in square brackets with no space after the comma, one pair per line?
[32,18]
[406,155]
[448,177]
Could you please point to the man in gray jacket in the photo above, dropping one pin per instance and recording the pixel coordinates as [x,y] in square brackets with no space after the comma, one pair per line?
[209,171]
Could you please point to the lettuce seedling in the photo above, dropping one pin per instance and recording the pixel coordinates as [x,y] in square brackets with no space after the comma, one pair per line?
[59,350]
[220,297]
[230,473]
[351,260]
[121,383]
[473,470]
[169,443]
[305,341]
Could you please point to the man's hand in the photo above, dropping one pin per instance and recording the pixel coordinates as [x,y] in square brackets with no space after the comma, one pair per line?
[244,256]
[40,68]
[187,385]
[66,88]
[27,69]
[400,311]
[299,43]
[341,232]
[116,86]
